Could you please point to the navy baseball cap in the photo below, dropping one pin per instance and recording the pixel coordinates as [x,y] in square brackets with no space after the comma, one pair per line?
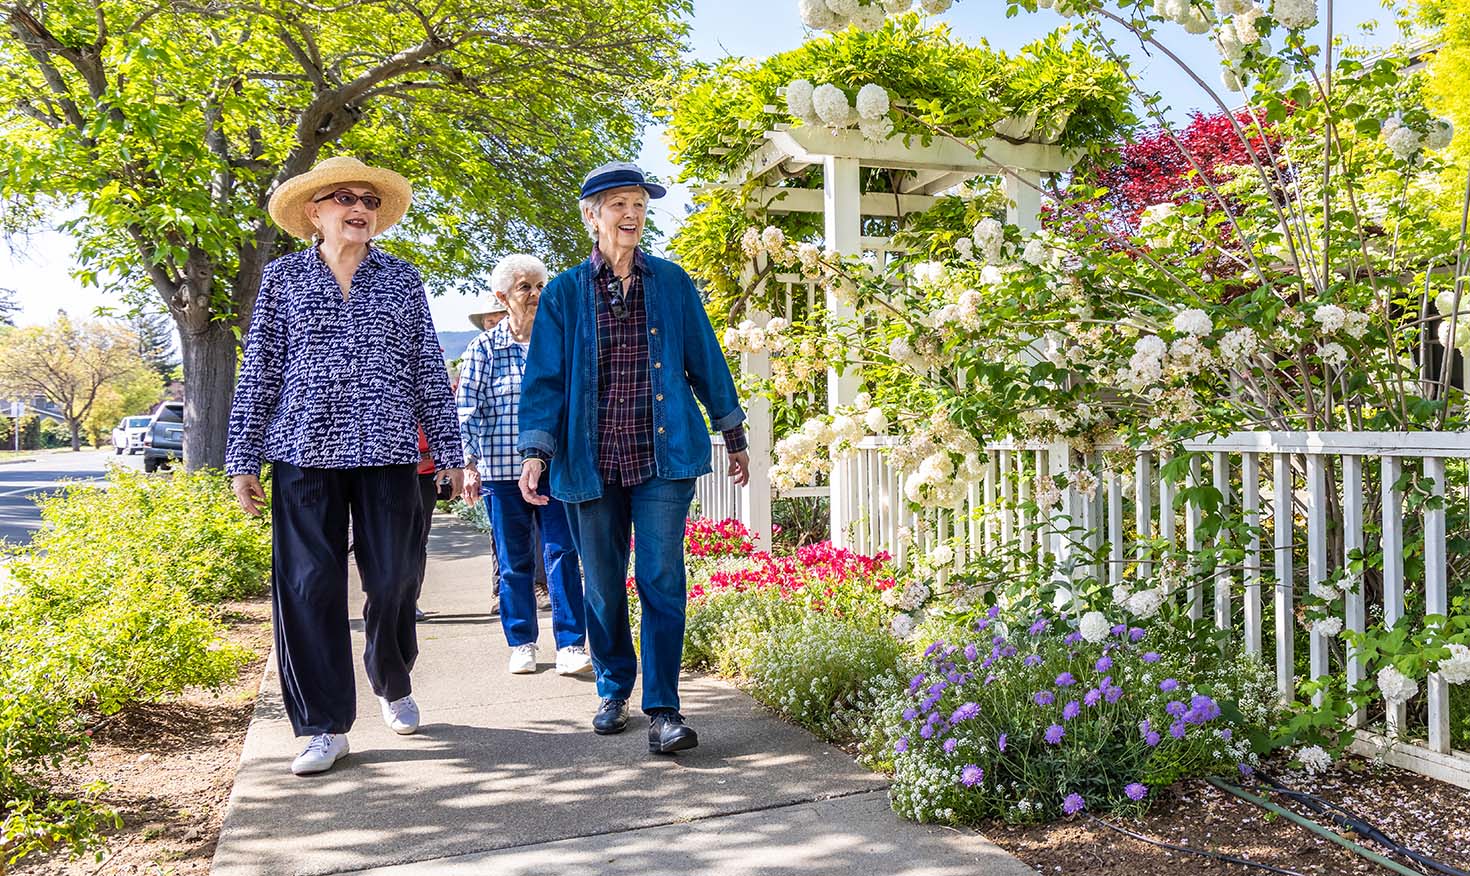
[619,175]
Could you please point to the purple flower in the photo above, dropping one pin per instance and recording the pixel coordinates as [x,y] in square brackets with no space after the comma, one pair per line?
[1103,664]
[971,776]
[1202,709]
[950,745]
[971,652]
[1032,660]
[1001,742]
[1119,629]
[1168,684]
[985,664]
[1225,733]
[1072,638]
[1093,697]
[926,731]
[982,624]
[1136,791]
[901,745]
[1136,634]
[933,718]
[1113,694]
[1145,725]
[910,714]
[993,612]
[1043,698]
[1065,680]
[1008,651]
[1054,734]
[928,703]
[1246,769]
[929,651]
[1177,729]
[1176,708]
[1071,710]
[998,640]
[965,713]
[990,679]
[938,687]
[917,682]
[1038,627]
[1073,804]
[954,677]
[1152,739]
[1151,657]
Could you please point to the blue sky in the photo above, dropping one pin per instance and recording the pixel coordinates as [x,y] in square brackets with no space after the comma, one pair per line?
[720,28]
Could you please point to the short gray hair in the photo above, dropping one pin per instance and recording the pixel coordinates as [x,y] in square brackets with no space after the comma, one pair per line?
[510,267]
[594,203]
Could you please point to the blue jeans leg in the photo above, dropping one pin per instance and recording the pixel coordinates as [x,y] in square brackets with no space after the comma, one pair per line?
[510,520]
[603,527]
[659,509]
[563,576]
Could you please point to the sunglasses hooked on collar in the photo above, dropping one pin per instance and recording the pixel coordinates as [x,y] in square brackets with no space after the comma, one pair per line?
[615,297]
[347,199]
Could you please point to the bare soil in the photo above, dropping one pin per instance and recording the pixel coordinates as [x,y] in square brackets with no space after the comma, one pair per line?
[170,767]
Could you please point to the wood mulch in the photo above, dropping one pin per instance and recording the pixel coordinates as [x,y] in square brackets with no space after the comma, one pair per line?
[170,767]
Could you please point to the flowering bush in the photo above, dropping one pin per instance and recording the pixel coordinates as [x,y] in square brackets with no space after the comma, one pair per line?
[1033,718]
[717,539]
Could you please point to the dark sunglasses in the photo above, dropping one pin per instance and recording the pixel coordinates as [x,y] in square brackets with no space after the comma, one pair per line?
[347,199]
[615,298]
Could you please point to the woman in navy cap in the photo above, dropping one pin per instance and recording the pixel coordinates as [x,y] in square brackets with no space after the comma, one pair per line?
[621,349]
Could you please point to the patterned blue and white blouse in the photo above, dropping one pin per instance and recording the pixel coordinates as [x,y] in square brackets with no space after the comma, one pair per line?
[334,383]
[489,400]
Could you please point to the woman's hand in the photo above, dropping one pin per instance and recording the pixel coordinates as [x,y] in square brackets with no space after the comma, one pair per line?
[248,493]
[740,467]
[531,472]
[471,483]
[454,477]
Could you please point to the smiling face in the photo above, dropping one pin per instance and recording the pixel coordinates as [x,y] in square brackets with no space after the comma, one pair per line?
[523,296]
[621,218]
[339,224]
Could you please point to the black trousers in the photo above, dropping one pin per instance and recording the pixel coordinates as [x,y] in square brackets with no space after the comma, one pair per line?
[310,508]
[428,498]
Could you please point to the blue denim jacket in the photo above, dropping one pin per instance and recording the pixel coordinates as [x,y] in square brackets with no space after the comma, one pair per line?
[559,388]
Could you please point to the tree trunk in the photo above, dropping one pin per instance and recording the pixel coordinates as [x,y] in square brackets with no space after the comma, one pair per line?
[76,434]
[209,388]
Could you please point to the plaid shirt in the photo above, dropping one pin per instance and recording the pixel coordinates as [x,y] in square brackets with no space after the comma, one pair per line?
[489,402]
[624,390]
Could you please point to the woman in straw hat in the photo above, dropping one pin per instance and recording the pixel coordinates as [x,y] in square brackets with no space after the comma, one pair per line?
[341,365]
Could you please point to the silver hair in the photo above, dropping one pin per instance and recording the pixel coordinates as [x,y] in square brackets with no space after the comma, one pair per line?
[512,266]
[593,203]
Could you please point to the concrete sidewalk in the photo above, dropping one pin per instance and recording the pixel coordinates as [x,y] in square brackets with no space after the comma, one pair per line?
[506,777]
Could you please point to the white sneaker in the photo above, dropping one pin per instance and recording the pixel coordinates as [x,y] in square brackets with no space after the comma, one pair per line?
[401,715]
[523,659]
[572,660]
[324,750]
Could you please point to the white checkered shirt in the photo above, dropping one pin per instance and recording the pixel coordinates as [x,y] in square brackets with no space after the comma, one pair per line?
[489,402]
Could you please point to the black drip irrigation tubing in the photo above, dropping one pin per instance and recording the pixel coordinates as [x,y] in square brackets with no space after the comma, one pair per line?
[1344,817]
[1228,859]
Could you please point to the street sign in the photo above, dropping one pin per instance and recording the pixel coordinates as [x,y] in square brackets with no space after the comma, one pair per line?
[17,409]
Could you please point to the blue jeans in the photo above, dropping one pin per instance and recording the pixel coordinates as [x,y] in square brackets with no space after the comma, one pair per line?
[512,520]
[655,511]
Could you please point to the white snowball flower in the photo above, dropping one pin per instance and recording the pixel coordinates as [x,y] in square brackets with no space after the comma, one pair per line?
[991,275]
[799,99]
[1403,142]
[1327,626]
[1295,13]
[877,130]
[876,421]
[1455,668]
[1094,627]
[941,556]
[1244,25]
[831,105]
[815,14]
[893,7]
[842,8]
[1196,20]
[1232,7]
[862,401]
[773,238]
[1036,252]
[1356,324]
[934,7]
[1155,214]
[1146,603]
[901,626]
[868,18]
[750,243]
[1396,687]
[931,273]
[1238,346]
[1231,80]
[1193,322]
[1331,317]
[1441,132]
[1151,345]
[965,248]
[872,101]
[988,235]
[1229,44]
[1314,759]
[1333,355]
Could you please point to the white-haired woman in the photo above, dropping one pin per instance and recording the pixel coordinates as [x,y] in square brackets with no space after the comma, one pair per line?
[489,400]
[342,364]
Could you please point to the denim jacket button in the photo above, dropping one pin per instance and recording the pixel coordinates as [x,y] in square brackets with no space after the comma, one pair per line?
[660,430]
[659,397]
[653,331]
[658,364]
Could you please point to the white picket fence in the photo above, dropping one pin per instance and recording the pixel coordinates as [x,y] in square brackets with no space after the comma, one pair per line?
[1320,476]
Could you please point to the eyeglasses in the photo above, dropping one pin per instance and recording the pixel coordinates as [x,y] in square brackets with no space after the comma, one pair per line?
[615,298]
[347,199]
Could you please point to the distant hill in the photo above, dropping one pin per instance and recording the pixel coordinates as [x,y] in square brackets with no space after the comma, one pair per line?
[454,343]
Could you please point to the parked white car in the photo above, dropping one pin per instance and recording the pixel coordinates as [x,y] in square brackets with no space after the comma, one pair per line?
[128,435]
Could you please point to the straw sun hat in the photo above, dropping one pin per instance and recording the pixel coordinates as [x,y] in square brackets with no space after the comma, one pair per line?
[288,202]
[486,306]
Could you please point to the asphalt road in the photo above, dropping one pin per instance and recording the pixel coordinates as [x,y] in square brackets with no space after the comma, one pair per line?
[21,482]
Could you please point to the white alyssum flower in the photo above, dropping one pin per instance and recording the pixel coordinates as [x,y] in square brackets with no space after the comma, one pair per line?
[1327,626]
[1396,687]
[988,235]
[1441,132]
[1295,13]
[831,105]
[872,101]
[1403,142]
[799,99]
[1455,668]
[1333,355]
[1314,759]
[1244,25]
[876,421]
[1193,322]
[1094,627]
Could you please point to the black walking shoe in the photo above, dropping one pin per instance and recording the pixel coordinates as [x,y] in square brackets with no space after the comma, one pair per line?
[667,733]
[611,717]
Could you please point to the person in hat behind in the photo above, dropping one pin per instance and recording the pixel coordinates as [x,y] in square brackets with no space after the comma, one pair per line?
[621,351]
[489,400]
[488,313]
[341,365]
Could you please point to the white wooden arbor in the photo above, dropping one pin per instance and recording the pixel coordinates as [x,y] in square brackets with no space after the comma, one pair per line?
[928,171]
